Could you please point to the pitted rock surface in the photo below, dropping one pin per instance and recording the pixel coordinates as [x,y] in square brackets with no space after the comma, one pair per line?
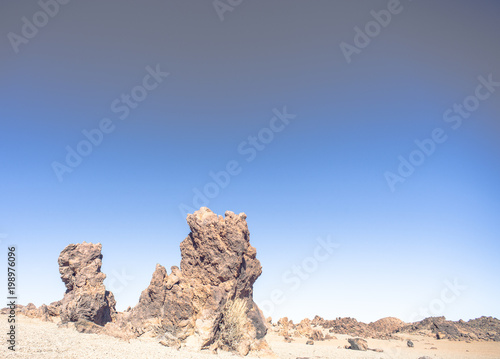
[187,305]
[86,297]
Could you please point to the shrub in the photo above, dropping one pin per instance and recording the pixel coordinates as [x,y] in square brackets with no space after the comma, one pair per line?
[233,322]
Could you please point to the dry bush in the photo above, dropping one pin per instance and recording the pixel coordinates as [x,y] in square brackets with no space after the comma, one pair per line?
[232,326]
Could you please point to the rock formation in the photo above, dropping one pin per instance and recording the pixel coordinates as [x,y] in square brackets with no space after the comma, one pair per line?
[381,329]
[208,302]
[86,298]
[305,329]
[385,326]
[484,328]
[358,344]
[284,326]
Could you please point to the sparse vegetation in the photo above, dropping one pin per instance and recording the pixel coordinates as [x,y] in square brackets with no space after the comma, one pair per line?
[232,326]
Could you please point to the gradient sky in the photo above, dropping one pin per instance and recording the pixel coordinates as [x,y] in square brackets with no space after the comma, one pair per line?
[323,176]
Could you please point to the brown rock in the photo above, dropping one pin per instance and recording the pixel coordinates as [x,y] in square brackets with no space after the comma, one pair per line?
[310,342]
[358,344]
[86,298]
[386,325]
[32,311]
[318,321]
[316,335]
[169,341]
[43,313]
[381,329]
[304,328]
[85,326]
[208,302]
[53,308]
[29,311]
[484,328]
[243,347]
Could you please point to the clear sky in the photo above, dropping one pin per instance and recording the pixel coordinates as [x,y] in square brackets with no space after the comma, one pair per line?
[312,108]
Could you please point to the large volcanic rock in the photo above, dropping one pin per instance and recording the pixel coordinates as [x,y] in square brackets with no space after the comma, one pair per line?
[201,304]
[86,298]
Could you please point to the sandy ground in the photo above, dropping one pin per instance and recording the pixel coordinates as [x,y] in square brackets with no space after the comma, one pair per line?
[445,349]
[37,339]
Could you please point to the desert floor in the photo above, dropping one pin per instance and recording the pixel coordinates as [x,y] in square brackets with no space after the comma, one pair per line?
[37,339]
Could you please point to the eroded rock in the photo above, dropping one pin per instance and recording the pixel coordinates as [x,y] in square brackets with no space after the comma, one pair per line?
[208,302]
[86,297]
[358,344]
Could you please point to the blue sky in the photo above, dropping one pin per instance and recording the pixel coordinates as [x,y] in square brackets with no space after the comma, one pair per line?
[323,176]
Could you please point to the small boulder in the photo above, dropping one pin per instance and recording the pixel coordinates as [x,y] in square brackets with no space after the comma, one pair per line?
[85,326]
[440,335]
[358,344]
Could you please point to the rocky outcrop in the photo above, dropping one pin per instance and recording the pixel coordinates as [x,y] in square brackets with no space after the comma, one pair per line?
[312,329]
[46,313]
[383,328]
[484,328]
[358,344]
[348,326]
[305,329]
[284,326]
[208,301]
[86,298]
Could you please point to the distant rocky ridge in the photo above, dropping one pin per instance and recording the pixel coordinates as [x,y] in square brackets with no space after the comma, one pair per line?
[86,298]
[44,312]
[483,329]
